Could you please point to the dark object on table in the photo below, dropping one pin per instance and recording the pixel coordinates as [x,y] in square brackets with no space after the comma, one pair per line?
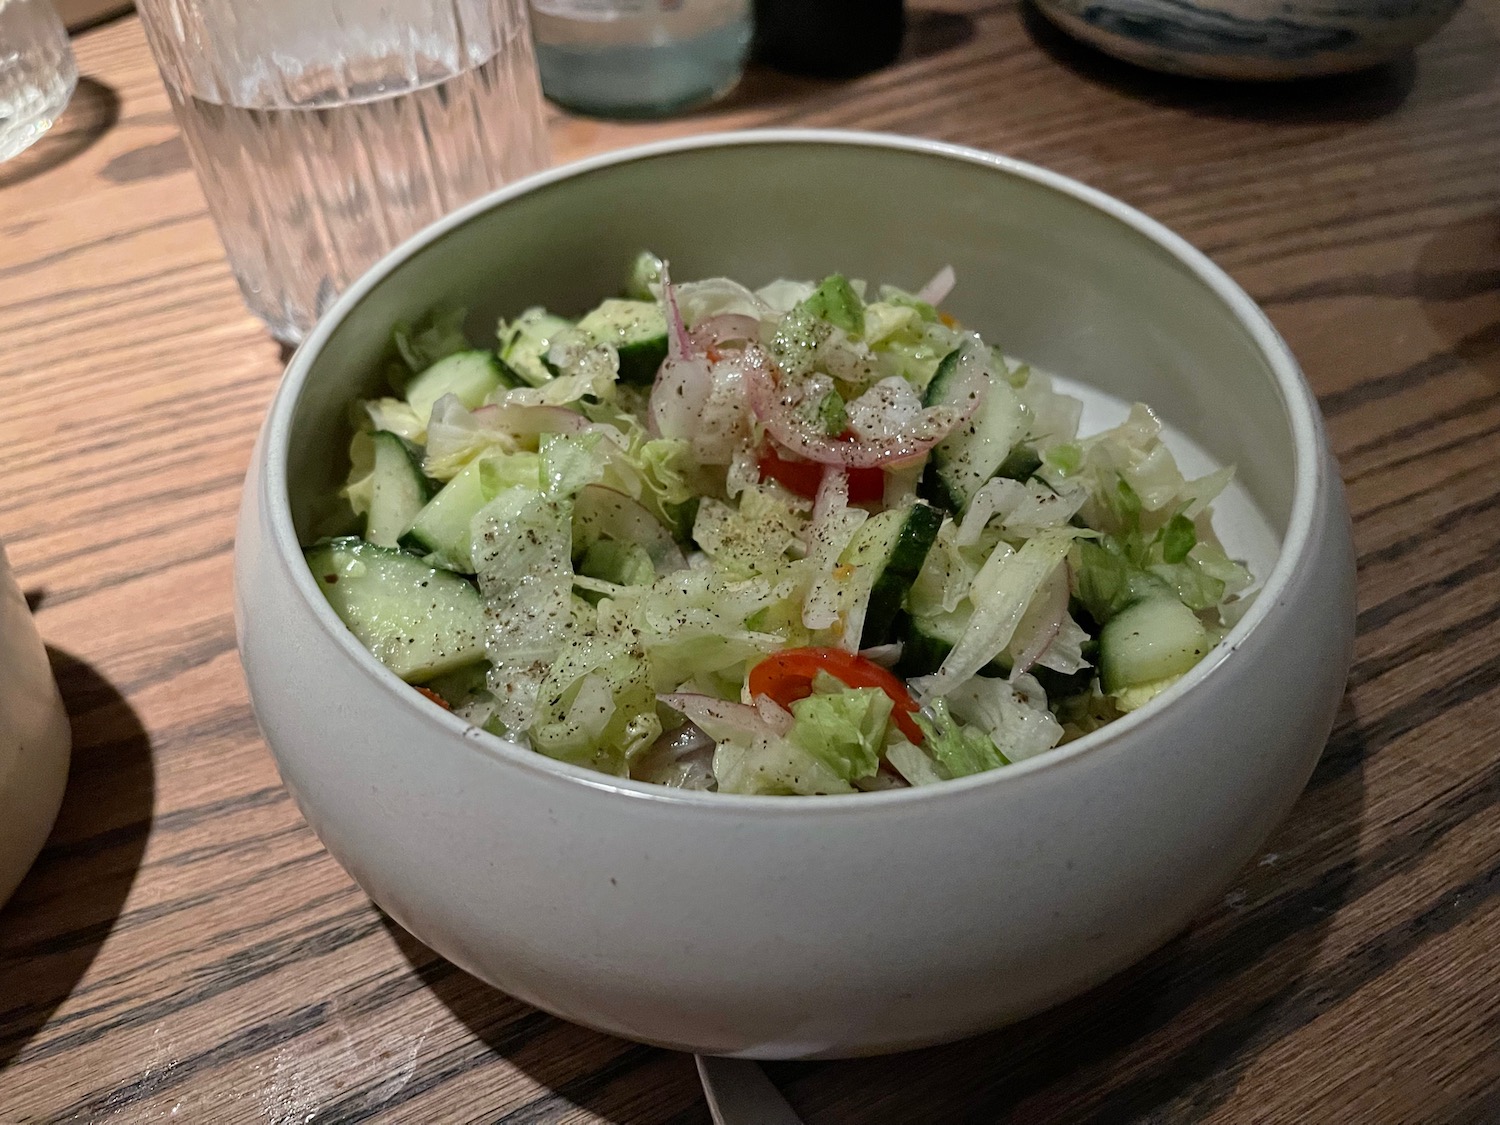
[828,38]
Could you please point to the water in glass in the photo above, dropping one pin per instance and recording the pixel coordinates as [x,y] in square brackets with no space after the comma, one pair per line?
[348,134]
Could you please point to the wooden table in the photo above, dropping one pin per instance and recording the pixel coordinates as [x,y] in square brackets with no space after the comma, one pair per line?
[186,950]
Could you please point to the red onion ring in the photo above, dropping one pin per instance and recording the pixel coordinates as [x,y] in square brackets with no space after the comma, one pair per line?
[706,710]
[679,346]
[725,328]
[1042,625]
[775,411]
[939,287]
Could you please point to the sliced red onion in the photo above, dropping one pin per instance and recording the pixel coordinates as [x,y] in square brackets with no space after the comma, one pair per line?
[616,516]
[775,716]
[833,495]
[719,718]
[939,287]
[679,345]
[686,739]
[682,758]
[777,412]
[1040,624]
[724,329]
[884,655]
[682,387]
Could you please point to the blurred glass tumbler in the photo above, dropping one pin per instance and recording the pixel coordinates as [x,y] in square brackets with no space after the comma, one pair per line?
[37,72]
[326,131]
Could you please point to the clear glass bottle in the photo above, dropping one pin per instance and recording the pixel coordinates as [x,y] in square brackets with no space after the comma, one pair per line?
[639,58]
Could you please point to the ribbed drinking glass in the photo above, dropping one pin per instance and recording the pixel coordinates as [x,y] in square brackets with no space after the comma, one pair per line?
[326,131]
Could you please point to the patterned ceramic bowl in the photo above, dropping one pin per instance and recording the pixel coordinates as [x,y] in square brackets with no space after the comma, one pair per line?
[1252,39]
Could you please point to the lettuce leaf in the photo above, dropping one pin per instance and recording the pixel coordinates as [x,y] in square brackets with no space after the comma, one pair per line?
[522,545]
[844,729]
[596,707]
[568,463]
[1012,713]
[773,767]
[959,750]
[421,344]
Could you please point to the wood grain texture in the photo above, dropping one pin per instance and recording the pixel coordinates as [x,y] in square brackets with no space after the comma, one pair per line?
[185,949]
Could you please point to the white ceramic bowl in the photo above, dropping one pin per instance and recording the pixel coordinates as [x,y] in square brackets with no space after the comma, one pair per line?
[817,926]
[35,738]
[1252,39]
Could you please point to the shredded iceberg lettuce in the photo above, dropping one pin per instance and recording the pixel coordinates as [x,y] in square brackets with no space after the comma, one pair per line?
[843,727]
[676,579]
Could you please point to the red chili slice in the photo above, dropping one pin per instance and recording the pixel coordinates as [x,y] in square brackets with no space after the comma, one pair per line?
[788,676]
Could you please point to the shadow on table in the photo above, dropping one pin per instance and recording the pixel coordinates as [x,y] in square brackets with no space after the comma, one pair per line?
[1362,96]
[93,112]
[67,905]
[517,1032]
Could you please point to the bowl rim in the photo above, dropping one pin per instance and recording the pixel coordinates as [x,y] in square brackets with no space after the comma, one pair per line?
[1309,478]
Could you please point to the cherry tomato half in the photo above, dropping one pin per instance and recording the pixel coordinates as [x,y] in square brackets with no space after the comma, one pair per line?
[866,486]
[787,677]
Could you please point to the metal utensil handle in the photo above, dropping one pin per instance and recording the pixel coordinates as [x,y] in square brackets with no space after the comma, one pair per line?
[739,1093]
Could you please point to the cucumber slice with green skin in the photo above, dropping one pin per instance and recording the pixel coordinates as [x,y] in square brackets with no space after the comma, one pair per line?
[927,641]
[400,490]
[624,564]
[1021,464]
[645,272]
[469,376]
[638,332]
[975,451]
[904,556]
[1157,639]
[524,343]
[462,684]
[441,527]
[417,620]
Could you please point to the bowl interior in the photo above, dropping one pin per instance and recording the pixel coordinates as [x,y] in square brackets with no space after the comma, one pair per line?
[1059,276]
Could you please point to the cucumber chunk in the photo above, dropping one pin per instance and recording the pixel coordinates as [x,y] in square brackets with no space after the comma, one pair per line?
[975,451]
[1149,644]
[645,272]
[417,620]
[442,527]
[400,490]
[470,376]
[904,555]
[638,332]
[927,641]
[524,343]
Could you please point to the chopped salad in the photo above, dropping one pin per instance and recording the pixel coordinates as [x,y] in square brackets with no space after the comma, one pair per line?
[813,538]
